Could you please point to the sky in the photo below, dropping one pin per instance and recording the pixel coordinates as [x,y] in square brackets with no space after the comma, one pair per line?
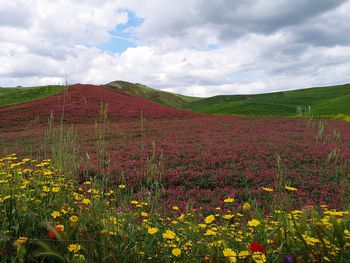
[193,47]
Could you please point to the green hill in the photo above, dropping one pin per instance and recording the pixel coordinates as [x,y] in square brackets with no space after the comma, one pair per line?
[161,97]
[322,101]
[9,96]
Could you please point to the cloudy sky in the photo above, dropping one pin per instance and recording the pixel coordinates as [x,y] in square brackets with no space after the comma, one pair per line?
[193,47]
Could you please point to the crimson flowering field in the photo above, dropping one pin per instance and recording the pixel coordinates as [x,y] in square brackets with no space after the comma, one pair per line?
[199,159]
[207,158]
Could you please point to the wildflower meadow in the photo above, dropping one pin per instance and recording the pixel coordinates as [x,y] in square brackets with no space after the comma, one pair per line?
[96,179]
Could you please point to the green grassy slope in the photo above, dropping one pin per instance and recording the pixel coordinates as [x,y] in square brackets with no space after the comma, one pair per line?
[9,96]
[161,97]
[323,101]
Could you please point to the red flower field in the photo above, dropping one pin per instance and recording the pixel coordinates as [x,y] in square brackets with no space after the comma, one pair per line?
[198,159]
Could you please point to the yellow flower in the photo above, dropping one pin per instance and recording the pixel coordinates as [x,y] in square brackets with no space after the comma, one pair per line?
[289,188]
[74,219]
[310,240]
[73,248]
[152,230]
[56,214]
[253,223]
[347,232]
[5,198]
[45,189]
[202,225]
[243,254]
[64,211]
[176,252]
[181,217]
[104,232]
[21,241]
[48,173]
[86,201]
[210,232]
[258,257]
[230,254]
[267,189]
[121,186]
[209,219]
[144,214]
[246,206]
[227,216]
[55,189]
[175,208]
[229,200]
[134,202]
[169,234]
[334,213]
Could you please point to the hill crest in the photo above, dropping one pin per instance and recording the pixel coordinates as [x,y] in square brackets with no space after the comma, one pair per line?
[81,103]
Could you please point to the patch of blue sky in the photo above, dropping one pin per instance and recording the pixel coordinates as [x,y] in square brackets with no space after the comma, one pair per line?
[248,76]
[121,37]
[204,48]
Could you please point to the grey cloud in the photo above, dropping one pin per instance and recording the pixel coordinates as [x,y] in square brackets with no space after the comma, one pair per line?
[232,19]
[48,50]
[327,34]
[34,71]
[14,14]
[263,17]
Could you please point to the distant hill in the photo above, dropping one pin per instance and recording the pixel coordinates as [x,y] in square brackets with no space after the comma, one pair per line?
[10,96]
[320,101]
[158,96]
[323,101]
[81,103]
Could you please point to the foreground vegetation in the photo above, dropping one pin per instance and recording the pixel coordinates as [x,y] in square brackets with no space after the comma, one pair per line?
[47,215]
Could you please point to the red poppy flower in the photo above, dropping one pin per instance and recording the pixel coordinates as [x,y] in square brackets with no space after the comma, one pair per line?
[257,247]
[58,230]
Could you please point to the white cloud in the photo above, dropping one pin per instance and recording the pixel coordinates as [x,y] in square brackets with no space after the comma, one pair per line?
[194,47]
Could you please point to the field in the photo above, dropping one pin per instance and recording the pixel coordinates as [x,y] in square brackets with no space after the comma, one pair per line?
[323,101]
[94,174]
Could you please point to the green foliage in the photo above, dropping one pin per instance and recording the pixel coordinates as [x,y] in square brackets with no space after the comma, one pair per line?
[61,143]
[9,96]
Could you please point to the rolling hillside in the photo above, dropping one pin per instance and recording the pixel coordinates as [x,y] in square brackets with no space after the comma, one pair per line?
[82,103]
[322,101]
[161,97]
[10,96]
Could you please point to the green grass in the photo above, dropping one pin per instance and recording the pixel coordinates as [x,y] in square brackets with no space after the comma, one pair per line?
[9,96]
[323,101]
[161,97]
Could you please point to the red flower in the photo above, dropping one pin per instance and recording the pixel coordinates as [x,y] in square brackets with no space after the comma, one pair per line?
[256,247]
[58,229]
